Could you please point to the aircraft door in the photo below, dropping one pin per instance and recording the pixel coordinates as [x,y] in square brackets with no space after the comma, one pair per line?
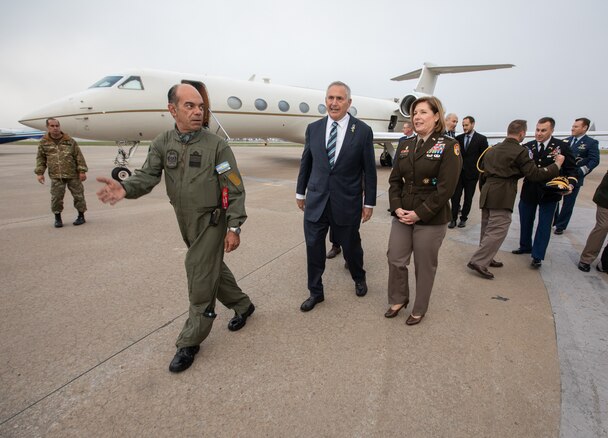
[392,124]
[209,120]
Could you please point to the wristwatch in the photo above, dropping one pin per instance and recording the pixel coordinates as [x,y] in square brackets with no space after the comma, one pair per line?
[235,230]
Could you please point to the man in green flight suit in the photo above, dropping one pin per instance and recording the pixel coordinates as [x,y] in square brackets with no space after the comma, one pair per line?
[206,190]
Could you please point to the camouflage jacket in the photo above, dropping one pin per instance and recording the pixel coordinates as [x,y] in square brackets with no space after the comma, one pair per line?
[62,158]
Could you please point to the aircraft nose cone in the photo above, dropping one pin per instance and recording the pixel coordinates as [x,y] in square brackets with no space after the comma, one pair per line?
[34,120]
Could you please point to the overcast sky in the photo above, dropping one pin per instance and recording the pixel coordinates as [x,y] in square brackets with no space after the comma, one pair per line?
[49,49]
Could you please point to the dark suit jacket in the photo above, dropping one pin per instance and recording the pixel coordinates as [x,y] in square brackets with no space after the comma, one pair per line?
[354,173]
[503,165]
[534,191]
[477,145]
[587,155]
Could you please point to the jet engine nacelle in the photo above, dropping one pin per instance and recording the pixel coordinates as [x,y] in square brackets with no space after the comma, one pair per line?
[406,103]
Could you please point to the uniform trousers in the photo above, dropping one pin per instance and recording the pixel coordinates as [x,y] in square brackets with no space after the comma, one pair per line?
[468,186]
[424,242]
[58,192]
[208,276]
[527,215]
[563,214]
[596,237]
[346,236]
[495,224]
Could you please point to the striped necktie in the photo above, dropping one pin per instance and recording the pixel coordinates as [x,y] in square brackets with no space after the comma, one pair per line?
[331,144]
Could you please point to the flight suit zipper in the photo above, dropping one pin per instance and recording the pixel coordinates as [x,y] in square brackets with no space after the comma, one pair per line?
[182,171]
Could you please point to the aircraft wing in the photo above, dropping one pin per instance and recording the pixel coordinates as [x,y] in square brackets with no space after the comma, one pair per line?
[381,137]
[12,135]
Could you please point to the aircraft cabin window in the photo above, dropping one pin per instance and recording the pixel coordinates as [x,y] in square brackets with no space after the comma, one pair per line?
[261,104]
[304,107]
[353,111]
[283,106]
[106,82]
[322,108]
[234,102]
[133,83]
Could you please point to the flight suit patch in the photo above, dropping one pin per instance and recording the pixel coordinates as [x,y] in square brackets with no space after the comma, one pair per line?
[195,159]
[222,167]
[171,159]
[234,178]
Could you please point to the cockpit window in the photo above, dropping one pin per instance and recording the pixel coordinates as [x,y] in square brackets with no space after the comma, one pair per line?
[106,82]
[133,83]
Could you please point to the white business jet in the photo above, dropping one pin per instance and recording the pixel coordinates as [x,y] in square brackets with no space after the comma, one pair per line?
[132,106]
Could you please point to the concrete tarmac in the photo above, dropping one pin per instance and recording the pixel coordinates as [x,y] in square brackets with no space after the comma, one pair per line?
[90,314]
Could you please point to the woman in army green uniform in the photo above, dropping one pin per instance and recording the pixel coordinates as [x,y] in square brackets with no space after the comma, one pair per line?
[423,179]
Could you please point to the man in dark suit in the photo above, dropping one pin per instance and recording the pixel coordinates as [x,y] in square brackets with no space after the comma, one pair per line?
[451,120]
[472,145]
[535,196]
[587,155]
[337,168]
[503,165]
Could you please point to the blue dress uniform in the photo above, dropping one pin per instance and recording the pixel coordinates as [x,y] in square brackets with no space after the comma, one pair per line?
[587,155]
[535,196]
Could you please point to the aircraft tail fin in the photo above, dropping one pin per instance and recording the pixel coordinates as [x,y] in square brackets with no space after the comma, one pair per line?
[429,72]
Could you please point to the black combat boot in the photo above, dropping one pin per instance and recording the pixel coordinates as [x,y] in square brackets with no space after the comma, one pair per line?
[58,221]
[80,219]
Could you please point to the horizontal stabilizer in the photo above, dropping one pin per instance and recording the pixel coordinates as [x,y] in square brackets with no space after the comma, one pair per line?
[438,70]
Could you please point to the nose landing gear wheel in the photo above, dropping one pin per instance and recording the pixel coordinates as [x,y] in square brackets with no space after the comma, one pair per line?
[120,173]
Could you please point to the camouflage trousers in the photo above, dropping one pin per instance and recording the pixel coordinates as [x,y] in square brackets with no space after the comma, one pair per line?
[58,192]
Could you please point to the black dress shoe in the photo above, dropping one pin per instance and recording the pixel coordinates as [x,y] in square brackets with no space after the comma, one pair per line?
[496,264]
[411,320]
[238,321]
[334,251]
[361,288]
[480,270]
[391,313]
[521,251]
[310,303]
[559,231]
[536,263]
[452,224]
[462,224]
[585,267]
[183,359]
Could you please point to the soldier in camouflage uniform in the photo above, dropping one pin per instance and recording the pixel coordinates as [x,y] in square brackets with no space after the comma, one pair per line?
[205,188]
[60,154]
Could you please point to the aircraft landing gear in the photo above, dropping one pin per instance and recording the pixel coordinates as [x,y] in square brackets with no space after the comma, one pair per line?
[120,173]
[385,159]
